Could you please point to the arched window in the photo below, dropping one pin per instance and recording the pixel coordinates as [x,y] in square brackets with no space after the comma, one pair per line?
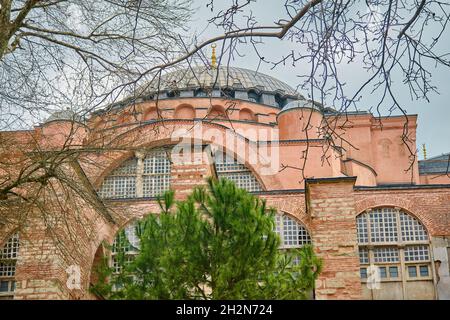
[8,258]
[126,241]
[137,178]
[398,245]
[292,233]
[254,96]
[228,167]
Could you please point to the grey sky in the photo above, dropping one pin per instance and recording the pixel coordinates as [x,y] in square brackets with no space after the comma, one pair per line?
[433,117]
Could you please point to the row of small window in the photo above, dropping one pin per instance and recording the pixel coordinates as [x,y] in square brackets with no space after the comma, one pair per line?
[392,254]
[156,162]
[125,187]
[292,235]
[252,96]
[392,272]
[121,183]
[383,226]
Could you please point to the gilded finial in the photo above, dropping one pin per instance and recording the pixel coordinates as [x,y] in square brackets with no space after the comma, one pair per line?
[424,149]
[213,56]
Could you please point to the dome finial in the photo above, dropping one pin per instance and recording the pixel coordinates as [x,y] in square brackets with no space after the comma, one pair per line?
[424,149]
[213,56]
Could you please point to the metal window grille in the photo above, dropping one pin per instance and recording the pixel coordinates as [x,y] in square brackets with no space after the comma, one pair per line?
[156,177]
[292,233]
[363,256]
[8,259]
[386,254]
[382,234]
[126,241]
[417,253]
[383,225]
[412,229]
[121,183]
[229,168]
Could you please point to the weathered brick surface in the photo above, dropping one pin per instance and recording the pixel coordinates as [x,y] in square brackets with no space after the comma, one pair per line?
[331,206]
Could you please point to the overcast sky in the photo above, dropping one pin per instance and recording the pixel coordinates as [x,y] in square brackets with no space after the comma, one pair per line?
[433,117]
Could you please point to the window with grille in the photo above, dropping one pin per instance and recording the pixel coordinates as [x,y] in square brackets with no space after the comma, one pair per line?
[395,242]
[8,258]
[126,242]
[137,178]
[121,183]
[229,168]
[292,234]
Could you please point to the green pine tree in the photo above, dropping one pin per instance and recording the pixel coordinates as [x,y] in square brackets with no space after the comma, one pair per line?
[220,243]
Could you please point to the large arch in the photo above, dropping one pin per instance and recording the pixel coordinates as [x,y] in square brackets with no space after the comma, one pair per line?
[150,135]
[366,202]
[395,255]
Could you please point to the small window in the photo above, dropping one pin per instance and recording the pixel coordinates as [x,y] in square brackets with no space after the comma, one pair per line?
[4,286]
[363,273]
[412,271]
[424,271]
[383,272]
[254,96]
[393,272]
[227,93]
[173,94]
[200,93]
[281,102]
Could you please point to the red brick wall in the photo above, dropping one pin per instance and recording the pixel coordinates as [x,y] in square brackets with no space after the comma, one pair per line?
[331,205]
[328,210]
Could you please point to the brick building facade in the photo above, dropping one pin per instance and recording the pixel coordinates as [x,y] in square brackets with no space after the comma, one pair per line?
[349,184]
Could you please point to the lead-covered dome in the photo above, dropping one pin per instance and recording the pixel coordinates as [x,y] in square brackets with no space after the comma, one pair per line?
[222,82]
[222,77]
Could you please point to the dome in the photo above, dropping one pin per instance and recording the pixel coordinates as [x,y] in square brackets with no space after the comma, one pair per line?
[221,77]
[304,122]
[300,104]
[67,115]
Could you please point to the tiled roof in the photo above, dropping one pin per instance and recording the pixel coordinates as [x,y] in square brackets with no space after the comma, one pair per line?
[439,164]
